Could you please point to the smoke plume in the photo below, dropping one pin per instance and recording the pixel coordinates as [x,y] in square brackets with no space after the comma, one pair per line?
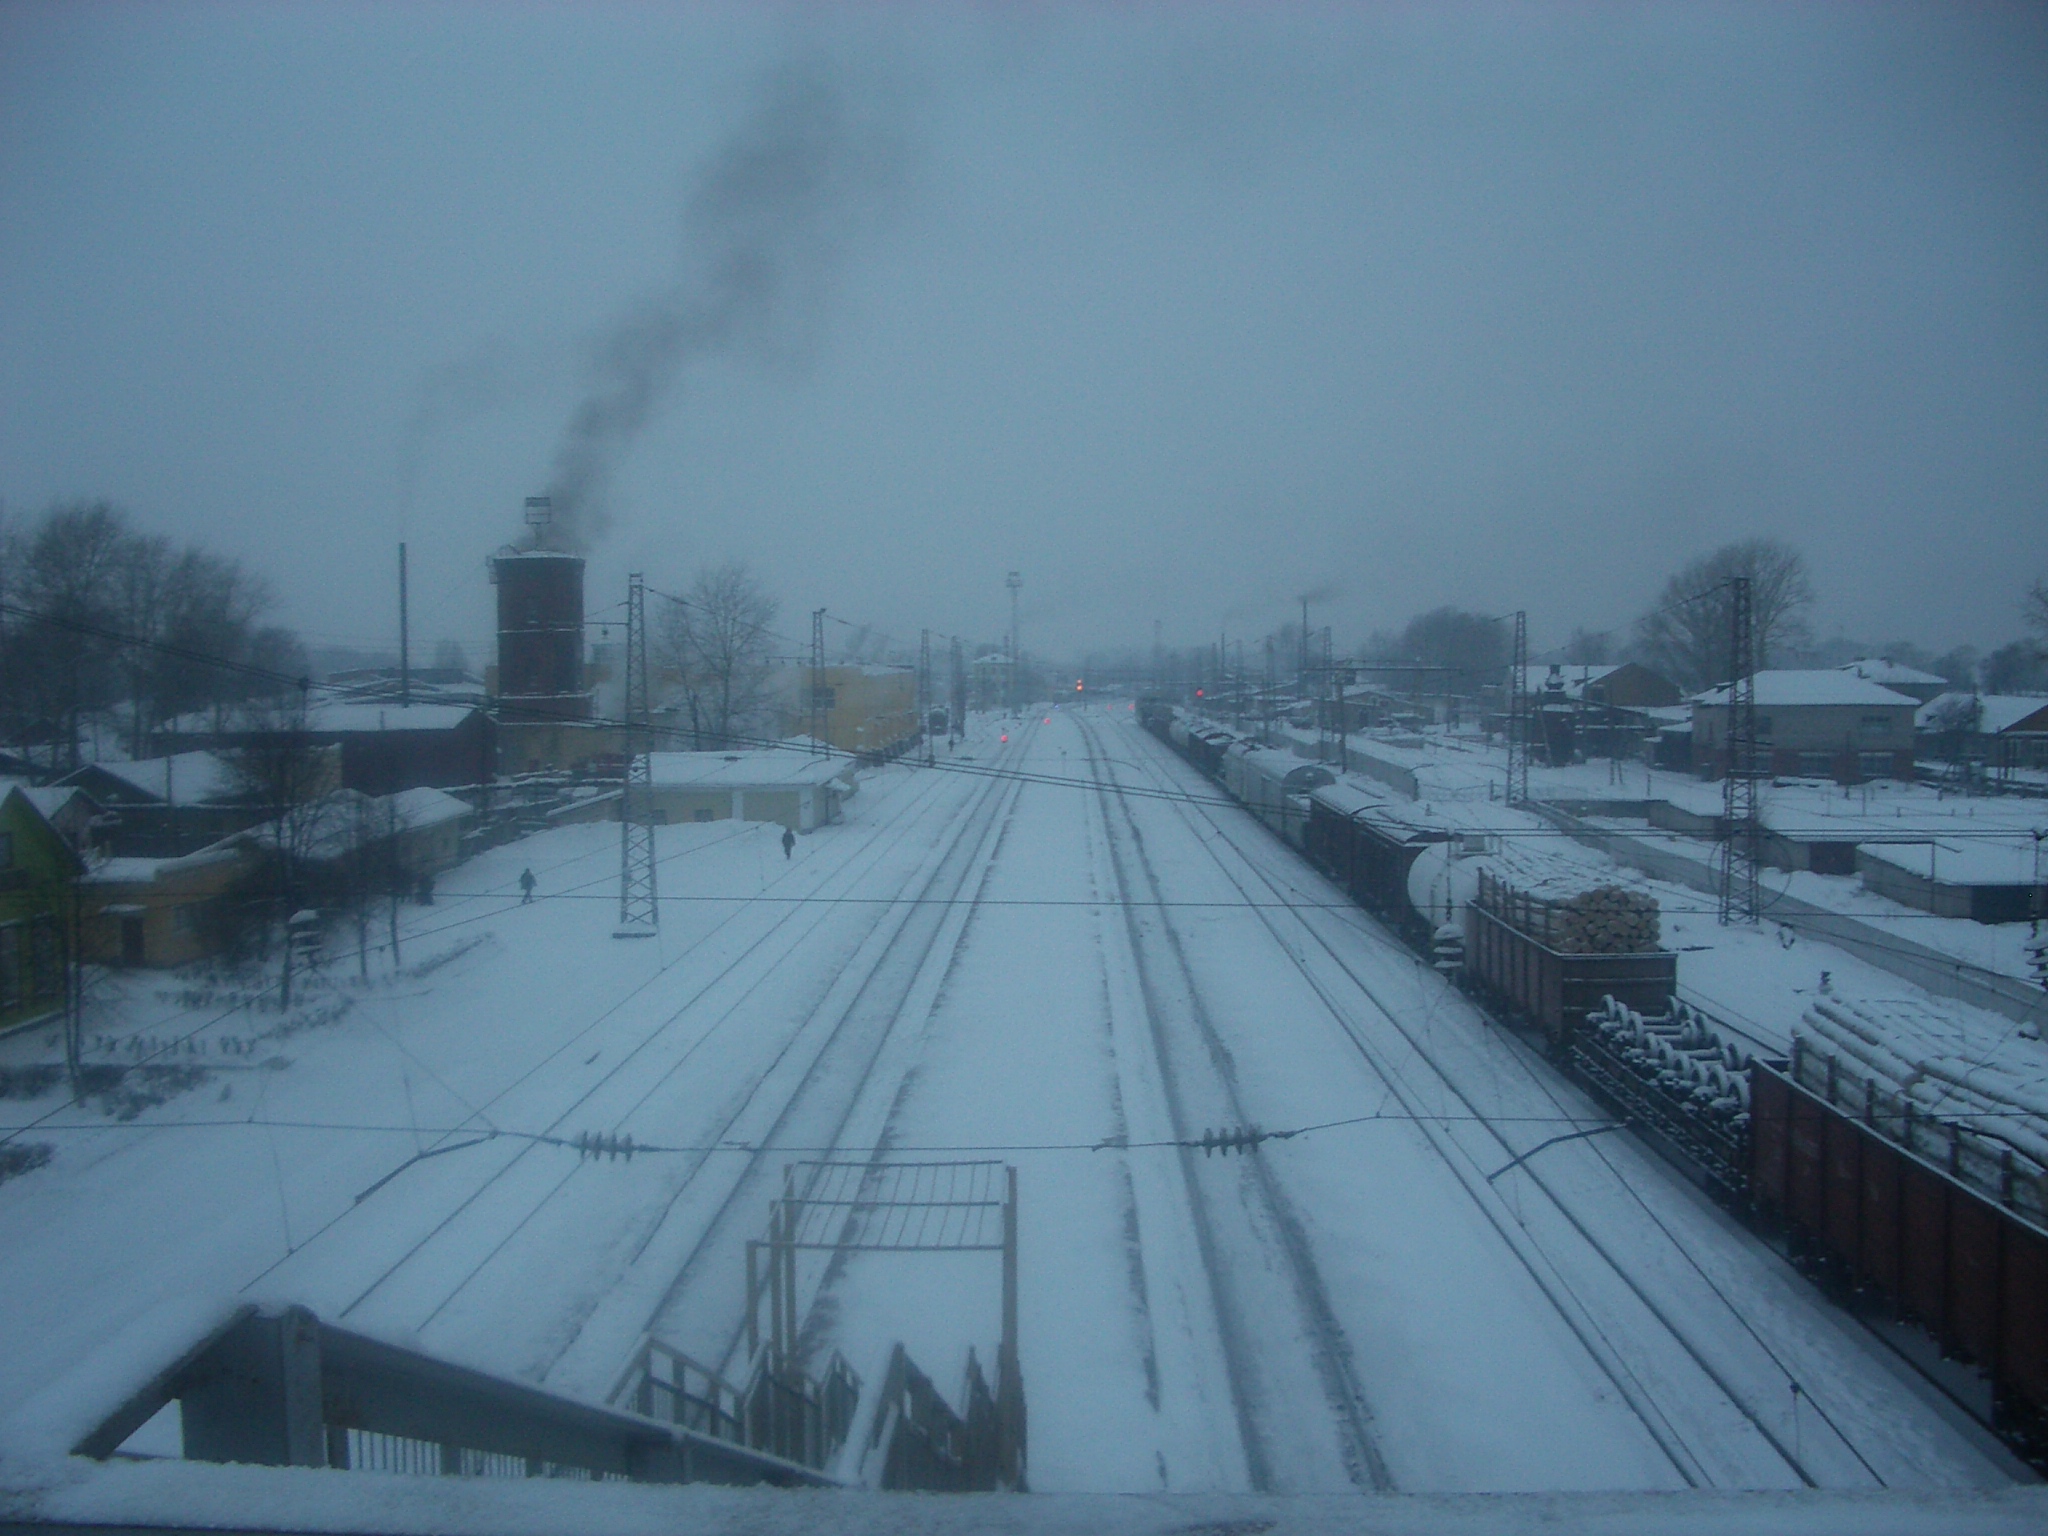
[765,231]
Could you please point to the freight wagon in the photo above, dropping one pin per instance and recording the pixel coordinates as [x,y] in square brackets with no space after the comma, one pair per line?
[1356,844]
[1552,989]
[1273,786]
[1926,1217]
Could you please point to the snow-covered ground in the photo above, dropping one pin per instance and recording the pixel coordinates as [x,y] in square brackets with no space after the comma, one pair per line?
[1064,969]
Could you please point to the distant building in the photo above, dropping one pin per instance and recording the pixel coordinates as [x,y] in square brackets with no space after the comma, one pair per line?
[1624,685]
[383,746]
[868,711]
[2002,731]
[164,807]
[1813,724]
[801,790]
[1910,681]
[37,870]
[162,912]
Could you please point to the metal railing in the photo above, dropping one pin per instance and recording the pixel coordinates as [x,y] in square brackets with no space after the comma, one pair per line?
[282,1388]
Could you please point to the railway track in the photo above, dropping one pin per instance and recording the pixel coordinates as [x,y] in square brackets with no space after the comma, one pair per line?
[1236,1210]
[820,1109]
[1319,959]
[789,927]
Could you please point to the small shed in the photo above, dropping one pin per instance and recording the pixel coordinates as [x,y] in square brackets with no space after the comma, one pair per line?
[800,790]
[1990,880]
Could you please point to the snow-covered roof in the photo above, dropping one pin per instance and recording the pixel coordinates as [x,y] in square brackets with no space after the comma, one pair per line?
[128,871]
[1959,861]
[426,807]
[1778,690]
[1997,712]
[744,770]
[347,715]
[1876,669]
[183,778]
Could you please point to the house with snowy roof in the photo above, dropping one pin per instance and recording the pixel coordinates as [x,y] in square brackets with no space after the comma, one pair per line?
[2001,730]
[164,807]
[1824,724]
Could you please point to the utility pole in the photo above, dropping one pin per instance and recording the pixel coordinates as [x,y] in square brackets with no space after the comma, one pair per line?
[1014,581]
[639,908]
[1739,896]
[1520,717]
[924,693]
[817,680]
[404,638]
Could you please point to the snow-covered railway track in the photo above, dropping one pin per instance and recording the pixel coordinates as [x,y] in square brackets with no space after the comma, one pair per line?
[703,1299]
[508,1196]
[1627,1311]
[1239,1213]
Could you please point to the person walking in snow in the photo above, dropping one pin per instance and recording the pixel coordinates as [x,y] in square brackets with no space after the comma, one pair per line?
[788,841]
[526,885]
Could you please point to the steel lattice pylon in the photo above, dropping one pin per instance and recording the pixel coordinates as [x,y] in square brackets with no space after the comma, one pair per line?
[1739,852]
[1521,719]
[817,680]
[639,904]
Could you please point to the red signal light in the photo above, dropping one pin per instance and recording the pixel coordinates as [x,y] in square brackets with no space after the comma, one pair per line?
[1077,685]
[1006,735]
[1198,693]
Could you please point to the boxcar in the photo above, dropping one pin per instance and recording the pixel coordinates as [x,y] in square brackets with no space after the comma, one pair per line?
[1274,786]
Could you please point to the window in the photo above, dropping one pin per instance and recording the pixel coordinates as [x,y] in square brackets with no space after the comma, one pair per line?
[1763,727]
[702,813]
[1813,765]
[1874,765]
[1875,725]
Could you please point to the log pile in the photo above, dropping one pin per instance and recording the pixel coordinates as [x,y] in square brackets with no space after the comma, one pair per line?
[1591,920]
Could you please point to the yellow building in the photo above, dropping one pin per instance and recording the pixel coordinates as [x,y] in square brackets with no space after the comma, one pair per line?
[869,711]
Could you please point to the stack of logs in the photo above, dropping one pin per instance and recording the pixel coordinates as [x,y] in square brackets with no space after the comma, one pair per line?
[1600,920]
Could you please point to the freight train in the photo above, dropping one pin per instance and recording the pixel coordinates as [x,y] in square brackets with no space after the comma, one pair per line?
[1907,1214]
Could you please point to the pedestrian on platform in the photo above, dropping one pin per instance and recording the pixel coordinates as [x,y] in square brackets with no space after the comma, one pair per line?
[788,841]
[526,885]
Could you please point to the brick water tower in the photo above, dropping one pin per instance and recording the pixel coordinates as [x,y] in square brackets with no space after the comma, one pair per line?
[540,626]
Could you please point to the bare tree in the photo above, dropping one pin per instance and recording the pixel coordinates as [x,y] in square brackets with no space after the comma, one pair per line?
[2034,608]
[1686,636]
[1467,650]
[1589,648]
[719,642]
[291,778]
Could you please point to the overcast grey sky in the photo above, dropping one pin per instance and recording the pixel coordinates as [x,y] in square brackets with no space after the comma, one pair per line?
[1181,311]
